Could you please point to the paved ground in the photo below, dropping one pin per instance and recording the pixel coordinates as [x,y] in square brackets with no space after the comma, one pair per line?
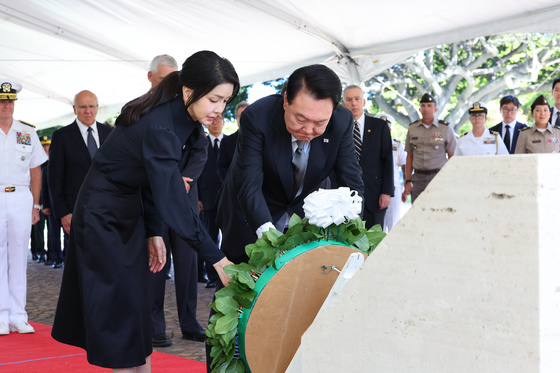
[43,285]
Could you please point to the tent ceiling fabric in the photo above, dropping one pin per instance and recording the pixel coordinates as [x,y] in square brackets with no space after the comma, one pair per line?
[57,48]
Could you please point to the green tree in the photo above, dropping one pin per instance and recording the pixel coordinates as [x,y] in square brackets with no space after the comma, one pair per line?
[459,74]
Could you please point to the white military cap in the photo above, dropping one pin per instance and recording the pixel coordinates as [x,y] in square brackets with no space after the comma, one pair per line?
[386,117]
[9,89]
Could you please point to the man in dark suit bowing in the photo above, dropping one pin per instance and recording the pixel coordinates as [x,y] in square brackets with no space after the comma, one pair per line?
[227,147]
[372,141]
[509,128]
[287,146]
[71,152]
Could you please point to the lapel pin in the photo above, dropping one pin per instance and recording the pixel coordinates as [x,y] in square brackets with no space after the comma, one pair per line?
[369,130]
[325,140]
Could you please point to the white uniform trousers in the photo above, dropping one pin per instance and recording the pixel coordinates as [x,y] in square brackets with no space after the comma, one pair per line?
[15,230]
[393,214]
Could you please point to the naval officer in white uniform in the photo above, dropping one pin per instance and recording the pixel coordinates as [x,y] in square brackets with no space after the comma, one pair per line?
[480,141]
[393,214]
[21,156]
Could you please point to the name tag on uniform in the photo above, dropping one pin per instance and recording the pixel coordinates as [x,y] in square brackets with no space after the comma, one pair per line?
[553,140]
[536,141]
[489,141]
[414,138]
[394,148]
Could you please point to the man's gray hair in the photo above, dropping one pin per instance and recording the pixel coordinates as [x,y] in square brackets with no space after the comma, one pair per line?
[163,59]
[352,86]
[240,105]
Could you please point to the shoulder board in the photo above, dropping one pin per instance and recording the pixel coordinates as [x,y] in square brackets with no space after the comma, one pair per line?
[526,128]
[495,133]
[418,121]
[443,122]
[464,134]
[27,124]
[557,126]
[396,140]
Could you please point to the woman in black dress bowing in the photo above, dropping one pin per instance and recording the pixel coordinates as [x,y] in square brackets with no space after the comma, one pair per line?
[133,185]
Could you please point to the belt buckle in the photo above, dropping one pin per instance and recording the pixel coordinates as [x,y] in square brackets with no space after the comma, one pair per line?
[9,189]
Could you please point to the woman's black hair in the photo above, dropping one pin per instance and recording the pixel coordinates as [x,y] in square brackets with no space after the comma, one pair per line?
[201,72]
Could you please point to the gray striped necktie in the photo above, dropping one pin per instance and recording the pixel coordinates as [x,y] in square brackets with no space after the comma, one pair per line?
[299,163]
[357,139]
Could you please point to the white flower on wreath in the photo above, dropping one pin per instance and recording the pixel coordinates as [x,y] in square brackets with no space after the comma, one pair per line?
[325,207]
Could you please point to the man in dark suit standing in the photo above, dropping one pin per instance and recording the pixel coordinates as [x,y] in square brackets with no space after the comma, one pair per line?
[227,147]
[287,146]
[71,152]
[509,128]
[372,141]
[555,112]
[208,184]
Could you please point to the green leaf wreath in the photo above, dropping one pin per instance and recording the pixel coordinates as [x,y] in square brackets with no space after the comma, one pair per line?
[230,300]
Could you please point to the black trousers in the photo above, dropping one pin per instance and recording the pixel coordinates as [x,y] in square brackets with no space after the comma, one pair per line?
[373,218]
[38,237]
[208,218]
[55,245]
[186,282]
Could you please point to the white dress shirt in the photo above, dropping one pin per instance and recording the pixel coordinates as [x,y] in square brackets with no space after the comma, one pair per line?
[84,131]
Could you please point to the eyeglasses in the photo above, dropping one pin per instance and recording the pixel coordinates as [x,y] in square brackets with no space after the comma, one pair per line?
[510,111]
[84,107]
[478,116]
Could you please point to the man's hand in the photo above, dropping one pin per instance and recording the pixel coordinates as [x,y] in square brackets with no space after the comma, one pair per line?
[219,266]
[157,253]
[200,206]
[384,200]
[47,211]
[34,216]
[407,189]
[187,180]
[66,221]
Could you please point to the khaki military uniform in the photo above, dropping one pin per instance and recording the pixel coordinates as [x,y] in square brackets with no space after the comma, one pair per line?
[429,148]
[532,140]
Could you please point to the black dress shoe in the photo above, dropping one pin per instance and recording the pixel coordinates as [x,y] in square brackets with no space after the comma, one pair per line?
[202,280]
[211,284]
[198,336]
[161,340]
[49,262]
[34,257]
[57,265]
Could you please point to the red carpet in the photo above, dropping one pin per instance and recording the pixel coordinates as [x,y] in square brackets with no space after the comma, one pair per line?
[39,352]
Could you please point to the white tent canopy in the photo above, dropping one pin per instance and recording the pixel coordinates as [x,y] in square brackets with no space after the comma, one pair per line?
[57,48]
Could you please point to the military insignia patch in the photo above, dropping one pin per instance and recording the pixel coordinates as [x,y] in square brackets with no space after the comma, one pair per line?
[23,138]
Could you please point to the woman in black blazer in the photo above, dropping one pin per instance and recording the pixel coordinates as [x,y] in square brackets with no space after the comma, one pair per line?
[133,185]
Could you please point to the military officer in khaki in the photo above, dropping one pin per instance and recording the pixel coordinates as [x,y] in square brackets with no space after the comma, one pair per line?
[542,137]
[429,144]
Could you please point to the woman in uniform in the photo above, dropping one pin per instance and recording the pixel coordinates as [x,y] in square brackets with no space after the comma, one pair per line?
[132,186]
[542,137]
[480,141]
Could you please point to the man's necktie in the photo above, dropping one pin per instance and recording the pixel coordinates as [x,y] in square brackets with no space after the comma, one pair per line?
[216,148]
[357,139]
[557,118]
[91,145]
[507,138]
[299,163]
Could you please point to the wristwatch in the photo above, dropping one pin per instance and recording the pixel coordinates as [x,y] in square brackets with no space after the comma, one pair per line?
[38,207]
[408,181]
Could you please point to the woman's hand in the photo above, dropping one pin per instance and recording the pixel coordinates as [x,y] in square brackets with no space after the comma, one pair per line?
[224,277]
[157,253]
[187,180]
